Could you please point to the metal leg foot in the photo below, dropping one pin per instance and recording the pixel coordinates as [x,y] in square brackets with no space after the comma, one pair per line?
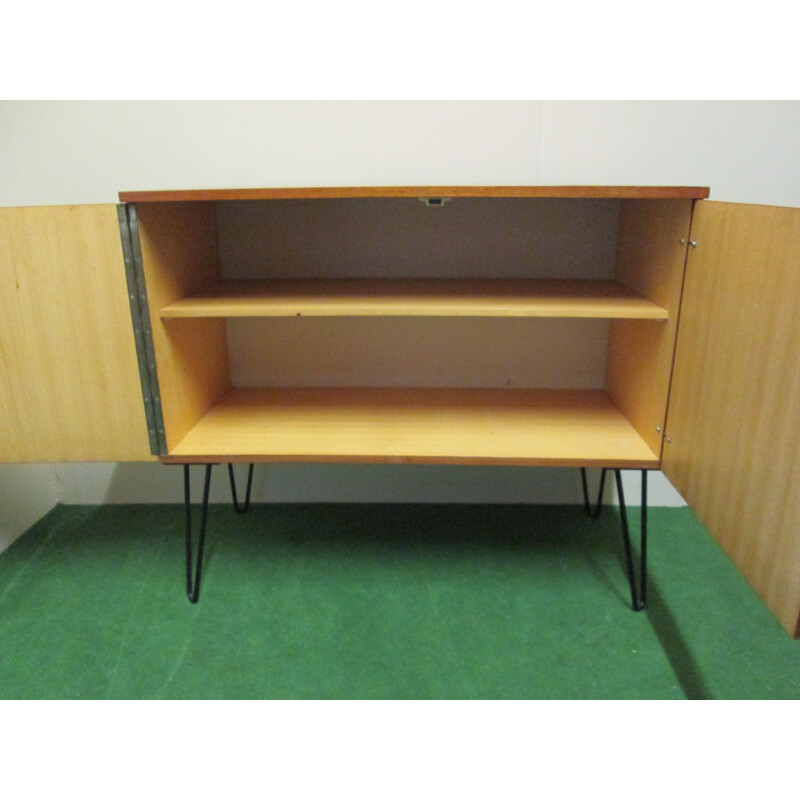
[638,592]
[598,508]
[241,509]
[193,583]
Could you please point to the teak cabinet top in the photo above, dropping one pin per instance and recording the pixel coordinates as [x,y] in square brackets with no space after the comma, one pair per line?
[343,192]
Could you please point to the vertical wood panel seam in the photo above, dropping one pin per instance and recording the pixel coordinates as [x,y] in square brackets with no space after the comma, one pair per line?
[678,325]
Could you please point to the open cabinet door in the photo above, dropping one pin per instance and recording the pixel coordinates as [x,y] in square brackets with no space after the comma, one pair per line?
[69,379]
[733,429]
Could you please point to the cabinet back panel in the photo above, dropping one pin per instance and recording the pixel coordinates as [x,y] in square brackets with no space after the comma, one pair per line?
[363,351]
[403,237]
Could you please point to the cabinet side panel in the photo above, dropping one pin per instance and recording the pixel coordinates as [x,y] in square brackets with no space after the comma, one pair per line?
[734,416]
[650,261]
[69,381]
[179,258]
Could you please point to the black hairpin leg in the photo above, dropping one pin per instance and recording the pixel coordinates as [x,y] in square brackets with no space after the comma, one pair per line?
[241,509]
[596,513]
[638,595]
[193,583]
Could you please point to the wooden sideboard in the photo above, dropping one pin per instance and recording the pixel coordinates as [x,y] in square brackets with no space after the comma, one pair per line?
[618,327]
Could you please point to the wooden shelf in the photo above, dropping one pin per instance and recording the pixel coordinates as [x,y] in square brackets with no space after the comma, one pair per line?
[444,297]
[345,192]
[441,426]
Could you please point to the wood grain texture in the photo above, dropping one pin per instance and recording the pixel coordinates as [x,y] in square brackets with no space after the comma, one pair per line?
[329,192]
[442,426]
[440,298]
[650,261]
[69,381]
[734,418]
[179,254]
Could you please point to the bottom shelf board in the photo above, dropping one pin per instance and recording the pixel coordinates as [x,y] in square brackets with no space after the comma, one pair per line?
[435,426]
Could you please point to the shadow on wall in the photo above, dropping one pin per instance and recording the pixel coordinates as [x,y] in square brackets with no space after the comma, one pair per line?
[298,483]
[27,493]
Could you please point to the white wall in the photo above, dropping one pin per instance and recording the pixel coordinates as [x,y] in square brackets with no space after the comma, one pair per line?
[86,152]
[66,152]
[745,151]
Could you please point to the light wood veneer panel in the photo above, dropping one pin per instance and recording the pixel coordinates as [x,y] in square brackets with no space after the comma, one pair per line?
[734,419]
[443,426]
[69,381]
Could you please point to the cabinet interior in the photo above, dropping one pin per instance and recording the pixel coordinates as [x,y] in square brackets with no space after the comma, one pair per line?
[480,330]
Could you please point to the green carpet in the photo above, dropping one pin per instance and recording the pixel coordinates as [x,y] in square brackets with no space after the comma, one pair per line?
[380,601]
